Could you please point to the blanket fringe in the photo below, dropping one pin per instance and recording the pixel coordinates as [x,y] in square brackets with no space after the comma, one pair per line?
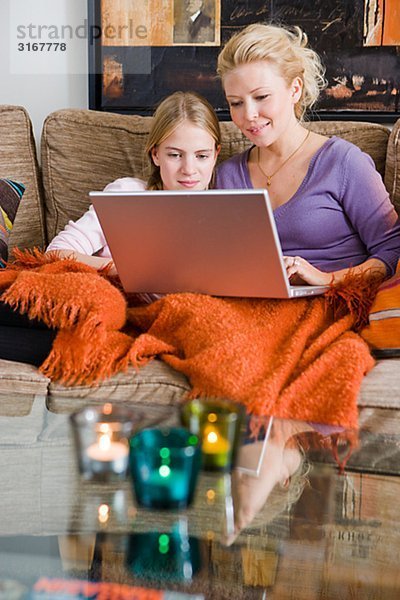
[52,313]
[355,295]
[341,444]
[31,258]
[35,259]
[71,363]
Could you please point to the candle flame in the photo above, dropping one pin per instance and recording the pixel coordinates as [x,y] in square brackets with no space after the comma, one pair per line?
[104,513]
[212,437]
[105,442]
[163,543]
[164,471]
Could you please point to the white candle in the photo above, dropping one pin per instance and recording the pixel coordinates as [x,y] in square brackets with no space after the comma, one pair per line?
[106,451]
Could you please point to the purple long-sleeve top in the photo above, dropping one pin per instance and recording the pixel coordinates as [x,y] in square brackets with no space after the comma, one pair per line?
[341,214]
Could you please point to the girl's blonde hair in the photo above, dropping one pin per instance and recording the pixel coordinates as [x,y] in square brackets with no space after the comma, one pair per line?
[283,47]
[171,112]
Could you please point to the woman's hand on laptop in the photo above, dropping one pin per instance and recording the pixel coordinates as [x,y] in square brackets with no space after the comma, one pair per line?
[300,271]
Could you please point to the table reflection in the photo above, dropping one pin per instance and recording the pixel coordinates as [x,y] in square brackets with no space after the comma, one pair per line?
[281,474]
[285,509]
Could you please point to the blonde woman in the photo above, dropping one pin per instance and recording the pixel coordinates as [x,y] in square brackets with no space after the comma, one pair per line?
[331,208]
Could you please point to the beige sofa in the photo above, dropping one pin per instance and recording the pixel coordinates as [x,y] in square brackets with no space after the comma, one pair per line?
[83,150]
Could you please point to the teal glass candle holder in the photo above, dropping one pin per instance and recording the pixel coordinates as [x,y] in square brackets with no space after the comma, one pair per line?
[164,464]
[164,556]
[218,424]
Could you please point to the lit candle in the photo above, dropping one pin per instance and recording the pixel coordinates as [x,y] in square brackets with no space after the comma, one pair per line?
[107,454]
[102,437]
[218,422]
[165,485]
[103,513]
[216,449]
[106,451]
[213,442]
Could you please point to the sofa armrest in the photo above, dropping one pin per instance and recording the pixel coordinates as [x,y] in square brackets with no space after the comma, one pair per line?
[18,161]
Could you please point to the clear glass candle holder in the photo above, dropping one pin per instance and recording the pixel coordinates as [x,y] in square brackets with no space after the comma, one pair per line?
[218,423]
[102,440]
[164,465]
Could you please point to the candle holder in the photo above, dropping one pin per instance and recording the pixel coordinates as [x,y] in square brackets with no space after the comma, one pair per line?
[218,424]
[102,440]
[164,464]
[164,556]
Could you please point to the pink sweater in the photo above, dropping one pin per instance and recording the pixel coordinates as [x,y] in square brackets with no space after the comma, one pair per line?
[86,235]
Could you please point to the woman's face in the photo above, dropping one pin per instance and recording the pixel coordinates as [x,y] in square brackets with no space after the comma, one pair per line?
[260,101]
[186,158]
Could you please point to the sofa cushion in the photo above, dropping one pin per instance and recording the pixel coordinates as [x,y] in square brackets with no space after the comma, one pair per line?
[372,138]
[21,377]
[18,161]
[380,387]
[84,150]
[154,385]
[158,385]
[10,195]
[19,383]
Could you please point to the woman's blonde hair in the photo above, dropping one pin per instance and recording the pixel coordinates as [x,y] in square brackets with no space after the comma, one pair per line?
[170,113]
[283,47]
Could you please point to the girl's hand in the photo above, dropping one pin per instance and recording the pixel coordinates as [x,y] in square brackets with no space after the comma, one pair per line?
[111,270]
[301,271]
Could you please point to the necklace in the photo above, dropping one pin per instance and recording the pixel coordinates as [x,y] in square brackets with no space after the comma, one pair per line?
[269,177]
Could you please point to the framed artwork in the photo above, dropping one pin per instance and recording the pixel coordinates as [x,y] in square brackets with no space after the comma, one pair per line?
[142,50]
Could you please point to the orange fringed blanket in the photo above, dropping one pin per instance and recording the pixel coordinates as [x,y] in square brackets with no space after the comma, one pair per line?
[87,310]
[289,358]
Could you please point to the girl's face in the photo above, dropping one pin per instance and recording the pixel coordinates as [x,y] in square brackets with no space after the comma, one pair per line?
[186,158]
[260,101]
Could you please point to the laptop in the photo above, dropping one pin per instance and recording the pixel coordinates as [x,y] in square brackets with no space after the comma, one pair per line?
[217,242]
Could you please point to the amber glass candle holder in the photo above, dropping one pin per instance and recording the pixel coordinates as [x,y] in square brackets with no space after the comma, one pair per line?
[218,424]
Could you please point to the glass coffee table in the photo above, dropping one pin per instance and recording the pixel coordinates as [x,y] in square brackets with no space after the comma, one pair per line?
[300,530]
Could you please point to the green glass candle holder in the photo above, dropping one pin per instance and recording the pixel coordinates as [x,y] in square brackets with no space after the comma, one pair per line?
[218,423]
[164,464]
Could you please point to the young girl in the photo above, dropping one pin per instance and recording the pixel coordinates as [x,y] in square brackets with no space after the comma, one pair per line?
[183,145]
[331,208]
